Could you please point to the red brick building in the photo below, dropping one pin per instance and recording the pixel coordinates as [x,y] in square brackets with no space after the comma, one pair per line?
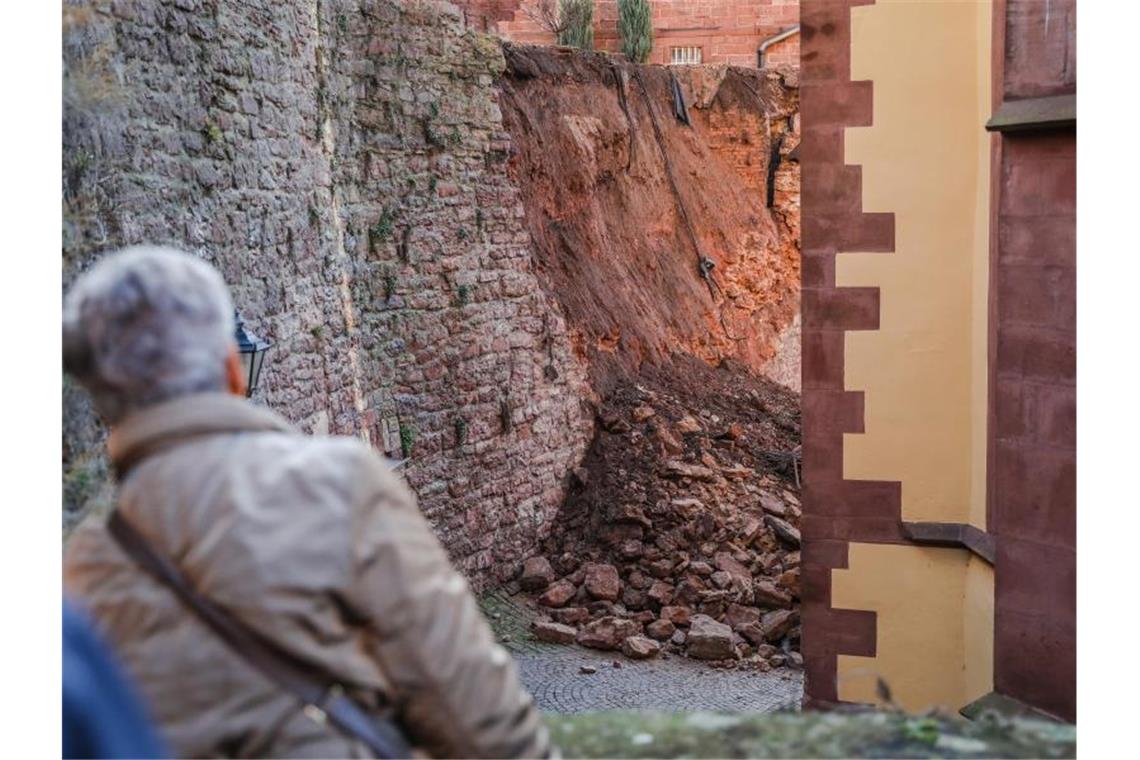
[685,31]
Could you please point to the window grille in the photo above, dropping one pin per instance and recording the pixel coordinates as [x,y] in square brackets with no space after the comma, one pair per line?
[686,55]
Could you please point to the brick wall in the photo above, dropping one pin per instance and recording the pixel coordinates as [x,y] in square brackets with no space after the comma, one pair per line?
[727,31]
[344,166]
[1033,376]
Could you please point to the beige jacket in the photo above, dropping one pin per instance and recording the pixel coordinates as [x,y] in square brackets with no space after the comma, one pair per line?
[314,543]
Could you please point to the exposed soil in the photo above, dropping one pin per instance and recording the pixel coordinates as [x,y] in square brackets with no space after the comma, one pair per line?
[624,201]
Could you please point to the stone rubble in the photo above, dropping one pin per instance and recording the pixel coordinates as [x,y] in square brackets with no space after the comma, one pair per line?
[682,539]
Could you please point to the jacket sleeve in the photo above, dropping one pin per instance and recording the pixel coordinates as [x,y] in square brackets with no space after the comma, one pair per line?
[457,691]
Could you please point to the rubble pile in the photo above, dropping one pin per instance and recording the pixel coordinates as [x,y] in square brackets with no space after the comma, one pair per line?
[681,532]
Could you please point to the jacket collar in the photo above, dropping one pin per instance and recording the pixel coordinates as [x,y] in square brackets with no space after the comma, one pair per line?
[158,427]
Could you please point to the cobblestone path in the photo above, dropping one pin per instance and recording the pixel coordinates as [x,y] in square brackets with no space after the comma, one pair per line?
[553,675]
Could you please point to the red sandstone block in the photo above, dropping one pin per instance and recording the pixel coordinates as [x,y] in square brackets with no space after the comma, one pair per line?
[825,553]
[1035,493]
[834,185]
[832,412]
[861,499]
[817,269]
[821,144]
[1056,412]
[841,308]
[1035,662]
[1037,579]
[870,233]
[819,677]
[1030,294]
[864,529]
[1046,241]
[1038,185]
[1013,410]
[815,587]
[821,464]
[822,356]
[836,103]
[1037,354]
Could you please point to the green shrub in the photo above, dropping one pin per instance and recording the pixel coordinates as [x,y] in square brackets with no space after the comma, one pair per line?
[577,23]
[635,25]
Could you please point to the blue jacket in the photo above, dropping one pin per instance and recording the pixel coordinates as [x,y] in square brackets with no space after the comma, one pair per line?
[102,716]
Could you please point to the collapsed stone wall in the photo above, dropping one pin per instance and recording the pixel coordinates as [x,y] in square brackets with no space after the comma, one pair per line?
[343,164]
[346,165]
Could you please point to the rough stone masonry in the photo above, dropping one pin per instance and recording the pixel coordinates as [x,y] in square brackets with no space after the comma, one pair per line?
[345,165]
[342,164]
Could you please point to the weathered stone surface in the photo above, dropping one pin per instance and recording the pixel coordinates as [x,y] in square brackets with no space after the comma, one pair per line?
[737,616]
[777,623]
[790,579]
[362,213]
[602,582]
[726,562]
[709,640]
[642,413]
[607,633]
[689,590]
[570,615]
[631,549]
[537,574]
[558,594]
[661,568]
[701,568]
[768,595]
[688,424]
[555,633]
[783,530]
[675,468]
[677,614]
[660,629]
[660,593]
[640,648]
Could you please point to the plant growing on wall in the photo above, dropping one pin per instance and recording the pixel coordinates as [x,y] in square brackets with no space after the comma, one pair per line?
[635,25]
[577,21]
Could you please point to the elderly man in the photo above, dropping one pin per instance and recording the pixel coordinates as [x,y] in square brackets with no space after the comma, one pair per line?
[312,546]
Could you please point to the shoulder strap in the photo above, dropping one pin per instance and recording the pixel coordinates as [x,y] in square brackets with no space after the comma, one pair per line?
[324,700]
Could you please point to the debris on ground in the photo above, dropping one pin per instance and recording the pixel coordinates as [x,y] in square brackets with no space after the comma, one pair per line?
[681,531]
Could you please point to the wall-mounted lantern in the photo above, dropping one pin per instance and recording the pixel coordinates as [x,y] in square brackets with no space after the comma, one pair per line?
[251,350]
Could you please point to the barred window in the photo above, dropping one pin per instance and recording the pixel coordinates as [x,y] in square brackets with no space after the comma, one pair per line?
[690,54]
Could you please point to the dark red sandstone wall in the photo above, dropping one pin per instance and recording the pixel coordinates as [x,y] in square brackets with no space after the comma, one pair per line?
[1034,394]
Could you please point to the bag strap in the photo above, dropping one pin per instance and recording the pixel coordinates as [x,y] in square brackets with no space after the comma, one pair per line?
[323,698]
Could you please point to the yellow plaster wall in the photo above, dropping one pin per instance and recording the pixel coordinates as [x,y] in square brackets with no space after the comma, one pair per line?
[934,642]
[926,159]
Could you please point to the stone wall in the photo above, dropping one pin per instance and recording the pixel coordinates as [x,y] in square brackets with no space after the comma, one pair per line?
[343,163]
[346,165]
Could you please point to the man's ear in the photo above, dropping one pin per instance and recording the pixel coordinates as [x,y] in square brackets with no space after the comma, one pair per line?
[235,373]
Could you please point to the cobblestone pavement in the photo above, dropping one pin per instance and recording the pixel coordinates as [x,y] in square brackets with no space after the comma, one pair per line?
[553,675]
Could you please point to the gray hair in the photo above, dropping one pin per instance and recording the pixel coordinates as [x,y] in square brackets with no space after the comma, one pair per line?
[146,325]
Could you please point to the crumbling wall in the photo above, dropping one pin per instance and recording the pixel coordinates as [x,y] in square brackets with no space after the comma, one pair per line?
[346,166]
[624,202]
[343,163]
